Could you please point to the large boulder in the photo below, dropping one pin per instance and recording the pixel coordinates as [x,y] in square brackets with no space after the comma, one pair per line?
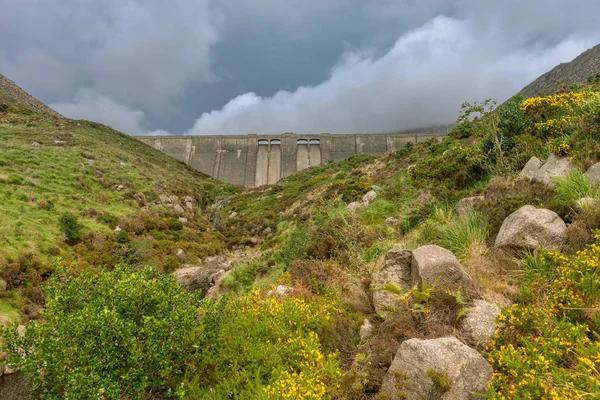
[430,264]
[479,325]
[193,279]
[554,166]
[369,197]
[396,268]
[593,174]
[434,264]
[355,205]
[467,204]
[530,228]
[217,262]
[443,368]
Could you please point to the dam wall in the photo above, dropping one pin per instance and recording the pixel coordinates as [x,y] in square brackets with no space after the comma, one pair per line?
[256,160]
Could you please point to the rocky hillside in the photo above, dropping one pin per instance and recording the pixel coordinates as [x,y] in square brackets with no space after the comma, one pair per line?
[12,95]
[578,71]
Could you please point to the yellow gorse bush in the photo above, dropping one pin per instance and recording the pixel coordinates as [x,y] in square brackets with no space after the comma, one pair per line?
[268,347]
[551,350]
[558,104]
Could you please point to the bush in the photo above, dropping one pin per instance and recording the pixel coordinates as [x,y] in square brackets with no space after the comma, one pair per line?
[70,226]
[504,196]
[122,237]
[548,347]
[455,169]
[278,356]
[121,334]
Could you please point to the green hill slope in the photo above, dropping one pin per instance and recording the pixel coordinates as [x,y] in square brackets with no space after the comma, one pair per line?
[54,171]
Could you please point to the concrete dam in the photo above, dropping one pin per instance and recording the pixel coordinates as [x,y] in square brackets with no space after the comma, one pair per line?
[256,160]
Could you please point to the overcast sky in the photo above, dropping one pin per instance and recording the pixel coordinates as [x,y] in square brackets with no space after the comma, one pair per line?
[272,66]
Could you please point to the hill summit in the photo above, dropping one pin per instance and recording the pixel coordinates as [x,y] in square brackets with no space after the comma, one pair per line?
[13,96]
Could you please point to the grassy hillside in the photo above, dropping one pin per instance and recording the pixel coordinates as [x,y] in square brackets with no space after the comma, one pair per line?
[53,169]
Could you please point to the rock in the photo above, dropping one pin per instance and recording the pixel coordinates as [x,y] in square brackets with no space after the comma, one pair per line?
[90,161]
[217,263]
[214,291]
[255,240]
[144,209]
[178,209]
[21,330]
[431,264]
[375,188]
[467,204]
[118,229]
[586,203]
[355,205]
[530,228]
[391,221]
[443,368]
[9,370]
[233,215]
[174,198]
[215,276]
[479,325]
[531,168]
[366,329]
[122,164]
[554,166]
[369,197]
[98,173]
[268,231]
[180,254]
[280,290]
[593,174]
[164,198]
[189,199]
[119,187]
[194,278]
[183,220]
[35,144]
[396,268]
[189,205]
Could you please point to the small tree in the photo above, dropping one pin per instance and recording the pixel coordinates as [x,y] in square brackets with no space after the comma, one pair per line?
[71,227]
[118,335]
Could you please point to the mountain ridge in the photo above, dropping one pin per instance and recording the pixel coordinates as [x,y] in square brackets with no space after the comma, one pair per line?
[577,71]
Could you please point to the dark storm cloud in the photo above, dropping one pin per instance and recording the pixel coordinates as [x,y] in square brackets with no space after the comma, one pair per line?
[237,66]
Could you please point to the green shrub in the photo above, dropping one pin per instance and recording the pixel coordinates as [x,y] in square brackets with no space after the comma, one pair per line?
[505,196]
[455,169]
[121,334]
[122,237]
[260,347]
[70,226]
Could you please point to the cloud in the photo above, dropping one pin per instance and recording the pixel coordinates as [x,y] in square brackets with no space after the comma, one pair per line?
[328,65]
[91,105]
[422,80]
[141,53]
